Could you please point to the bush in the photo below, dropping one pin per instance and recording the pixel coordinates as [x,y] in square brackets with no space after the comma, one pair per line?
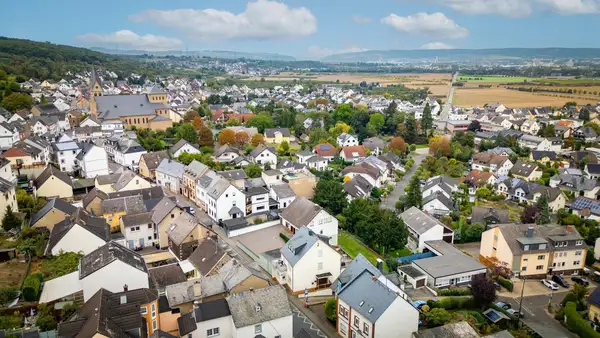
[330,308]
[11,322]
[437,317]
[455,292]
[60,265]
[7,295]
[284,237]
[506,283]
[454,303]
[32,286]
[577,324]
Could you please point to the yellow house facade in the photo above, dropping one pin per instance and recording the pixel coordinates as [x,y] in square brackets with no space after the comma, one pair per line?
[277,135]
[533,251]
[53,183]
[115,208]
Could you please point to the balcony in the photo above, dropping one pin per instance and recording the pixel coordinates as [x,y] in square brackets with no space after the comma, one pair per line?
[281,272]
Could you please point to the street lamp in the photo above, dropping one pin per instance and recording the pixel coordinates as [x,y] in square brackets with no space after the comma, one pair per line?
[521,302]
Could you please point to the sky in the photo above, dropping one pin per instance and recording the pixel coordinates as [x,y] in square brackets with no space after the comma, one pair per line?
[306,29]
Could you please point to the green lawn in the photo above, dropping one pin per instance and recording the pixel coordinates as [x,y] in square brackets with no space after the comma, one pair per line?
[353,247]
[421,146]
[401,253]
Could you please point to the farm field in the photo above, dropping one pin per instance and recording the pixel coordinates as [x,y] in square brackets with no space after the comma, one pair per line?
[438,83]
[495,79]
[12,273]
[514,99]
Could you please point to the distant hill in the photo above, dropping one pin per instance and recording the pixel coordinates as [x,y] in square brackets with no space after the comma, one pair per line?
[223,54]
[467,54]
[44,60]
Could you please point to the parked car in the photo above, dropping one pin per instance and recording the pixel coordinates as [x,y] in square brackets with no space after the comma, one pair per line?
[192,211]
[419,304]
[550,284]
[503,305]
[580,280]
[560,281]
[516,313]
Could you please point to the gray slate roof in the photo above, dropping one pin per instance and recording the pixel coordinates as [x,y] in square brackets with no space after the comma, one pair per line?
[355,268]
[272,303]
[451,262]
[283,190]
[298,245]
[107,254]
[171,168]
[374,296]
[95,225]
[115,106]
[301,212]
[57,203]
[162,209]
[418,221]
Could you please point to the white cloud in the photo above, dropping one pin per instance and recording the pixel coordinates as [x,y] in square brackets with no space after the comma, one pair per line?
[361,19]
[436,45]
[573,6]
[262,19]
[436,24]
[321,52]
[126,39]
[511,8]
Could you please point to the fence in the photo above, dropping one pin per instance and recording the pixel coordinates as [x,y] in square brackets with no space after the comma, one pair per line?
[409,259]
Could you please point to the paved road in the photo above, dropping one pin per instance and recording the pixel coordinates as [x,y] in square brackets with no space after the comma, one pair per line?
[537,318]
[448,105]
[390,201]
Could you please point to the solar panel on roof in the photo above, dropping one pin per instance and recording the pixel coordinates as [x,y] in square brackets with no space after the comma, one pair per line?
[325,147]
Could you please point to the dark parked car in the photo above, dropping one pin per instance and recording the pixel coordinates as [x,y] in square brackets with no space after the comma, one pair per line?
[560,281]
[580,280]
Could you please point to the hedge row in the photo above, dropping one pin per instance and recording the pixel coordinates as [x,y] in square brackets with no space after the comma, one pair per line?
[577,324]
[32,287]
[284,237]
[455,292]
[453,303]
[506,283]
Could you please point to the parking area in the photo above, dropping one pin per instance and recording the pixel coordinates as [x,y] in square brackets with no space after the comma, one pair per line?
[471,249]
[531,287]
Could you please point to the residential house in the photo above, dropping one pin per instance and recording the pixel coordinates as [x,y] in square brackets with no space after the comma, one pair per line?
[150,161]
[111,266]
[257,197]
[277,135]
[366,171]
[585,134]
[593,302]
[375,145]
[325,150]
[265,312]
[526,170]
[366,307]
[346,140]
[448,267]
[283,194]
[222,199]
[422,228]
[127,180]
[92,160]
[54,211]
[353,153]
[79,233]
[263,155]
[183,146]
[317,163]
[185,233]
[163,214]
[139,230]
[441,183]
[542,156]
[533,251]
[531,127]
[498,165]
[124,151]
[191,173]
[208,319]
[207,259]
[115,208]
[304,213]
[535,143]
[476,179]
[53,183]
[226,154]
[307,263]
[270,178]
[92,202]
[487,216]
[528,192]
[578,184]
[438,204]
[592,171]
[9,135]
[169,175]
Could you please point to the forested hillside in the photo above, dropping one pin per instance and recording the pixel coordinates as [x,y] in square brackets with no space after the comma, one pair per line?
[43,60]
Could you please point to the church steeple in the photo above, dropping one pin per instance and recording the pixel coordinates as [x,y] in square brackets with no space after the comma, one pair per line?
[95,83]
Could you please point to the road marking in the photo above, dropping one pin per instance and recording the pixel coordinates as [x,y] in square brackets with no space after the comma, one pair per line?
[528,311]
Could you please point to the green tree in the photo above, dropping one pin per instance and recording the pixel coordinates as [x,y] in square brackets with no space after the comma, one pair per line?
[283,149]
[205,137]
[10,221]
[544,209]
[330,195]
[330,309]
[427,120]
[483,290]
[187,132]
[253,170]
[16,101]
[261,122]
[60,265]
[410,135]
[376,122]
[584,115]
[46,320]
[233,122]
[343,113]
[414,197]
[318,135]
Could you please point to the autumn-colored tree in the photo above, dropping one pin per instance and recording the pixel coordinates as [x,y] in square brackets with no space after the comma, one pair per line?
[440,146]
[205,137]
[226,136]
[257,139]
[190,116]
[322,101]
[198,123]
[339,128]
[397,144]
[241,138]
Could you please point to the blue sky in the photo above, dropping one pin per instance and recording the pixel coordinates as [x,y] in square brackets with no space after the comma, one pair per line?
[305,28]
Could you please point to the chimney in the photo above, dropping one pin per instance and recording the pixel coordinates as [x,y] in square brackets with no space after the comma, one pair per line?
[570,228]
[380,264]
[197,290]
[530,231]
[125,287]
[373,278]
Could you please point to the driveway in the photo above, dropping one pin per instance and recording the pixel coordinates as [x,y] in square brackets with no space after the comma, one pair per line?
[533,287]
[536,317]
[390,201]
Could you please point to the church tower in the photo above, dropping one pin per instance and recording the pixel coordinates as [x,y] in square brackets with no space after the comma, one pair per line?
[95,84]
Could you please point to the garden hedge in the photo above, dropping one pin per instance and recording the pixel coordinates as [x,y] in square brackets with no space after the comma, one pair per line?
[506,283]
[577,324]
[32,287]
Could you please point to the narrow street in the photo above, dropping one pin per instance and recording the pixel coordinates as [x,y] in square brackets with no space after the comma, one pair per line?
[390,201]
